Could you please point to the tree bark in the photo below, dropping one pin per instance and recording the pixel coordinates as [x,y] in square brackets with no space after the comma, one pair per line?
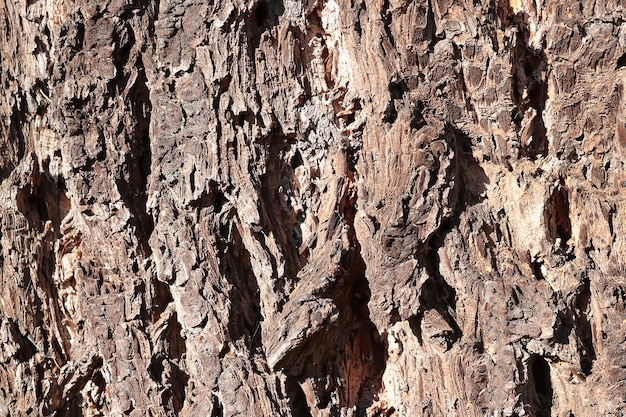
[312,208]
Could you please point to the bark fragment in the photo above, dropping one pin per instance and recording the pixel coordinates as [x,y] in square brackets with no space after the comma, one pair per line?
[312,208]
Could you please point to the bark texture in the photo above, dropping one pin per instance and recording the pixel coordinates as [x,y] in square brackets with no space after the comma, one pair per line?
[312,208]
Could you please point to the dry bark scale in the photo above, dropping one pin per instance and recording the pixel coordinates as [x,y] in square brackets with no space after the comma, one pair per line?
[312,208]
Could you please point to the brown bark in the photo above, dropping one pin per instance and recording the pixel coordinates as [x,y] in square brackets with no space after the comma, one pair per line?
[321,208]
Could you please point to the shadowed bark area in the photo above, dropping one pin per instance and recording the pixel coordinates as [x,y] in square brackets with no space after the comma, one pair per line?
[312,208]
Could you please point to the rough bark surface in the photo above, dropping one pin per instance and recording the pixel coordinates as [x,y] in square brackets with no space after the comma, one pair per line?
[312,208]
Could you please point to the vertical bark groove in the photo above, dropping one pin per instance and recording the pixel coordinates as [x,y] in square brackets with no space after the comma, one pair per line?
[326,208]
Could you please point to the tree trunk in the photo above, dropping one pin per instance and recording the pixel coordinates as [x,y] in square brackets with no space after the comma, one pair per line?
[317,208]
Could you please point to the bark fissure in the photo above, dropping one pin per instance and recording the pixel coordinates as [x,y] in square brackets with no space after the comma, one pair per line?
[335,207]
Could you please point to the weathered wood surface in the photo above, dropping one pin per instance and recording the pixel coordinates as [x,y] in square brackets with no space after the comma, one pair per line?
[319,208]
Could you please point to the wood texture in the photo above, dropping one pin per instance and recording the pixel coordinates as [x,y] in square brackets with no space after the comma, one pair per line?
[312,208]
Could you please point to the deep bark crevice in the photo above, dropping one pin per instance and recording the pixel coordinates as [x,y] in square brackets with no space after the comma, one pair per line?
[14,146]
[134,188]
[583,328]
[530,89]
[538,392]
[244,295]
[263,16]
[557,217]
[276,189]
[470,184]
[218,409]
[297,399]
